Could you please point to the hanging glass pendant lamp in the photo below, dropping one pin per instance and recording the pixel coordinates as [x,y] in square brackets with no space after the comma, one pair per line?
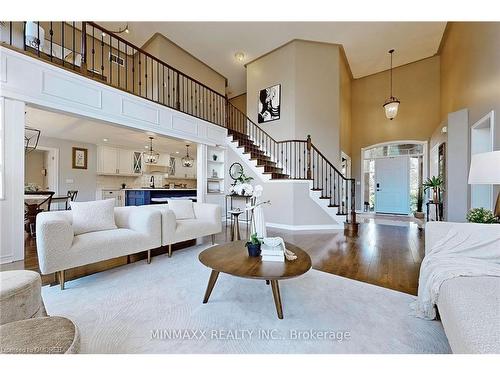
[151,156]
[187,161]
[391,105]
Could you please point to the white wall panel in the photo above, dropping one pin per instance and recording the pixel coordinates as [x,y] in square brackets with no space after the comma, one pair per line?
[66,88]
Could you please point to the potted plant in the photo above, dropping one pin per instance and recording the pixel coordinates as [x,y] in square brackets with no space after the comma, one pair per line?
[253,245]
[419,214]
[435,183]
[481,215]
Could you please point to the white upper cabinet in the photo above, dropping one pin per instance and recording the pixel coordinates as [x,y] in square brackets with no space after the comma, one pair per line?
[125,161]
[107,160]
[118,161]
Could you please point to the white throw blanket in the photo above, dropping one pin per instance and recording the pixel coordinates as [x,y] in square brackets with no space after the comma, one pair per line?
[468,252]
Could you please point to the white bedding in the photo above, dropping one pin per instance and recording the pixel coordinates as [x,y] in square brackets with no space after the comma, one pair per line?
[465,250]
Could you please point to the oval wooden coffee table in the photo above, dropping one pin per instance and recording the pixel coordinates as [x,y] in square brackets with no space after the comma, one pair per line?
[232,258]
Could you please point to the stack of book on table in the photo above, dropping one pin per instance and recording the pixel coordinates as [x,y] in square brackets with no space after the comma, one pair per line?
[272,253]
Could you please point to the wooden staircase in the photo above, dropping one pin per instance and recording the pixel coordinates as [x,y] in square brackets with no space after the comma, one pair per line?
[294,160]
[249,147]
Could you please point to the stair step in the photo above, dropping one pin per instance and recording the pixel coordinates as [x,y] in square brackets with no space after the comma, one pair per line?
[325,197]
[266,163]
[279,176]
[238,136]
[255,150]
[333,205]
[258,156]
[316,189]
[269,169]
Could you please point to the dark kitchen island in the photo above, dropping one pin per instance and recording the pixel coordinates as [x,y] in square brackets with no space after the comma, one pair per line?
[144,196]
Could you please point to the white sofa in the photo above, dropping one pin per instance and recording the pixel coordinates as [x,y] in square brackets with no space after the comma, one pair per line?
[469,307]
[139,229]
[207,222]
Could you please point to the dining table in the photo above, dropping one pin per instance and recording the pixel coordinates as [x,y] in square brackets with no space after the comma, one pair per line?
[33,199]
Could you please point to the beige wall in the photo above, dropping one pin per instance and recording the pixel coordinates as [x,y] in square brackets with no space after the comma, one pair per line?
[345,105]
[169,52]
[240,102]
[34,164]
[317,96]
[277,67]
[310,95]
[470,70]
[84,180]
[417,85]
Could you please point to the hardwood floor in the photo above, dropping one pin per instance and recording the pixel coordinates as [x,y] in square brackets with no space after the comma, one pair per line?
[384,255]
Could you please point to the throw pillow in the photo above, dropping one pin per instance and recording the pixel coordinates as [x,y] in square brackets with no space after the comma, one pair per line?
[93,216]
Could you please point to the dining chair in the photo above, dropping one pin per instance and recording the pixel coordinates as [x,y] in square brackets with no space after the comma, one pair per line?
[71,198]
[33,209]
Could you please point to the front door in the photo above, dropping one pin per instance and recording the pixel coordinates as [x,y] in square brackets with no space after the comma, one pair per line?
[392,185]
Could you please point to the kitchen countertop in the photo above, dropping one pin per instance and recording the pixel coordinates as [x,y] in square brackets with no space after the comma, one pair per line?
[175,189]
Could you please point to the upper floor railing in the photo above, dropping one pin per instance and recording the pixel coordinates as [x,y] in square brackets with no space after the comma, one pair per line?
[93,51]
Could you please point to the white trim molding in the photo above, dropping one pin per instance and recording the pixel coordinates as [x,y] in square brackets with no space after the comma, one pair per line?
[403,141]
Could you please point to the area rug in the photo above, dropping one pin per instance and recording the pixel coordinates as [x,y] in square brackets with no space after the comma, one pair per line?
[157,308]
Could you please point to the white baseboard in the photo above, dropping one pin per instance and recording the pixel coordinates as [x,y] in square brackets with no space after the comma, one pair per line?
[6,259]
[305,227]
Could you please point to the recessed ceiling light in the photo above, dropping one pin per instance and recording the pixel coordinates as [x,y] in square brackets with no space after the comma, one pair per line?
[177,152]
[147,146]
[239,56]
[105,139]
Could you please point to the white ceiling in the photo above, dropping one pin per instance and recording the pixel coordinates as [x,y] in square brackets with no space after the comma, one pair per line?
[62,126]
[365,43]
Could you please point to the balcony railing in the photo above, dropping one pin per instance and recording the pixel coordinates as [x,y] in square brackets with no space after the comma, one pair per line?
[97,53]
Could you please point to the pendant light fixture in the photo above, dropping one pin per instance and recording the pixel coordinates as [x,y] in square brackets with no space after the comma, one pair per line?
[187,161]
[151,156]
[391,105]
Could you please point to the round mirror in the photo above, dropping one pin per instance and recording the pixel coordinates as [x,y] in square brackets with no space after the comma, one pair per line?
[235,171]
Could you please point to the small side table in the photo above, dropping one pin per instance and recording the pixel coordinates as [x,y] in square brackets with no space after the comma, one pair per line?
[235,225]
[438,206]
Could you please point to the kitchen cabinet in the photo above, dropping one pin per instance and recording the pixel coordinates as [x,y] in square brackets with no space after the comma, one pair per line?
[107,160]
[118,195]
[184,172]
[116,161]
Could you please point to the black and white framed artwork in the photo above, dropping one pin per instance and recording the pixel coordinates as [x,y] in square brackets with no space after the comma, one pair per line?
[269,104]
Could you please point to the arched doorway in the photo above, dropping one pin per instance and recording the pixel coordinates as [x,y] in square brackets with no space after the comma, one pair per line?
[391,173]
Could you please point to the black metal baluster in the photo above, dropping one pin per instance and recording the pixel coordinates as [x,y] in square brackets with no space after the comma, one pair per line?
[38,38]
[133,70]
[93,51]
[118,63]
[146,75]
[139,76]
[126,67]
[157,82]
[74,48]
[102,54]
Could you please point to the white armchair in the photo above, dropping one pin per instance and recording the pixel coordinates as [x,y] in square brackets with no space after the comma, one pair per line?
[207,222]
[139,229]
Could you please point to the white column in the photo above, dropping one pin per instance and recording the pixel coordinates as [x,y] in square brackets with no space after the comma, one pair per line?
[12,206]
